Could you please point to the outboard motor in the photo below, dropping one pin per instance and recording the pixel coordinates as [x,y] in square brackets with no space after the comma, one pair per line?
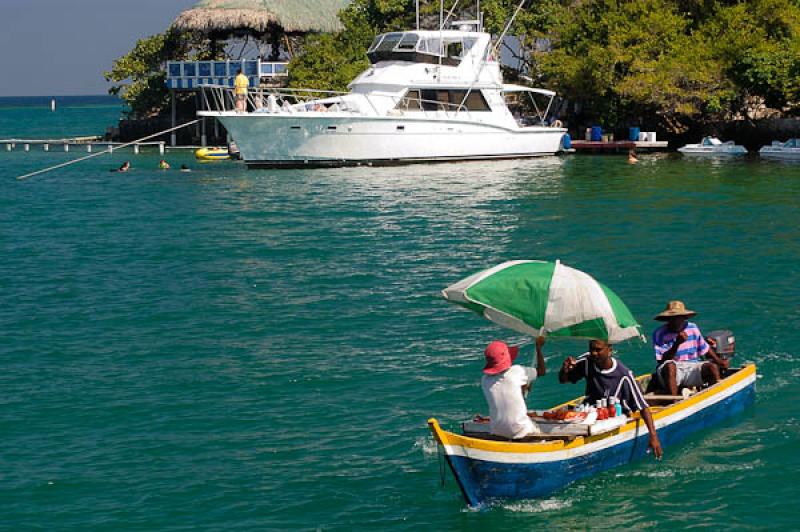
[726,345]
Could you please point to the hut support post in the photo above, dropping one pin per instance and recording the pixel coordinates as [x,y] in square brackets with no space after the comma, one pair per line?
[197,127]
[173,138]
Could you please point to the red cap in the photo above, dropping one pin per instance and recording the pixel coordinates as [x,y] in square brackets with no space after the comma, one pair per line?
[499,357]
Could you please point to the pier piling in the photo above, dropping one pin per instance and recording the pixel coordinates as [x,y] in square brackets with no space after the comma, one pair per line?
[46,147]
[26,147]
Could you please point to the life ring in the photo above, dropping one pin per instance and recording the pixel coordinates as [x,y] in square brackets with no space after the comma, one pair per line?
[557,123]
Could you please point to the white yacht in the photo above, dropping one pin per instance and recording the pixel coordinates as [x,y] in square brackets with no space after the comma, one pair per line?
[789,150]
[428,96]
[713,146]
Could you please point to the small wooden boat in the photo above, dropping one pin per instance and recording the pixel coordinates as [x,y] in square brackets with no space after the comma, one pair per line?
[490,468]
[212,154]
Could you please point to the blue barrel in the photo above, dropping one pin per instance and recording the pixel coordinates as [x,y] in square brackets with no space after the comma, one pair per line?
[634,134]
[597,133]
[566,141]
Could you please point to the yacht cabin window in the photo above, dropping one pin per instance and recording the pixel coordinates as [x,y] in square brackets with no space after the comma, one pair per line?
[442,100]
[410,46]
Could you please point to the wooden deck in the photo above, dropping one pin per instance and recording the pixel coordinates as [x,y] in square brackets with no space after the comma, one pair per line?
[618,146]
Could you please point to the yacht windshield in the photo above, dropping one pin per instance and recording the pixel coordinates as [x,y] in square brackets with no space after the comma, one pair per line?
[390,40]
[408,42]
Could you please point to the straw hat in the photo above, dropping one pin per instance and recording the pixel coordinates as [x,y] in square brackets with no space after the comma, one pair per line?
[675,308]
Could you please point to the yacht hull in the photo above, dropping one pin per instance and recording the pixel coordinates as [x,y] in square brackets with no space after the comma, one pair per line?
[313,140]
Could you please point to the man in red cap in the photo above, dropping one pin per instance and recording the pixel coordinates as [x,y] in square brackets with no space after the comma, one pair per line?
[504,386]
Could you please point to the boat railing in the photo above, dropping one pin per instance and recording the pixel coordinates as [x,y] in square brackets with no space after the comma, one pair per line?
[222,98]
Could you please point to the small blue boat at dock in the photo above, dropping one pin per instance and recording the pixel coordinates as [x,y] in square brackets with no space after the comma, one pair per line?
[489,468]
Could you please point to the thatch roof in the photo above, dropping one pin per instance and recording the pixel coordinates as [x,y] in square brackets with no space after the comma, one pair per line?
[294,16]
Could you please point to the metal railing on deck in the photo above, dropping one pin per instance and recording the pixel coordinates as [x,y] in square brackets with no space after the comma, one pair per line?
[267,100]
[189,75]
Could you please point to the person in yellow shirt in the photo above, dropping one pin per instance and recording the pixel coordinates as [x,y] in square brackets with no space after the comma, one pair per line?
[240,85]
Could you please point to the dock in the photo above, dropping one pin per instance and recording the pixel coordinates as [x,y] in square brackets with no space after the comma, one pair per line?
[618,145]
[87,144]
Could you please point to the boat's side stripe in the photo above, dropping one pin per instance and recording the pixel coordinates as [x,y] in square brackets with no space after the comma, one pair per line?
[508,452]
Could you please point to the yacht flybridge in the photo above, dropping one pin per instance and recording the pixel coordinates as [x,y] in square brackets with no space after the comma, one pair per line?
[427,96]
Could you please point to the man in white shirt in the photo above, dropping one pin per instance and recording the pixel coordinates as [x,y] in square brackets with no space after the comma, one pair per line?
[504,386]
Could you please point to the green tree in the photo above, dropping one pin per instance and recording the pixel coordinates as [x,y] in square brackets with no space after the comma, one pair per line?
[139,76]
[331,61]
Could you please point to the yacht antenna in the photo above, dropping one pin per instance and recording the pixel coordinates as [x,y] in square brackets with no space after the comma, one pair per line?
[417,15]
[508,26]
[441,44]
[478,15]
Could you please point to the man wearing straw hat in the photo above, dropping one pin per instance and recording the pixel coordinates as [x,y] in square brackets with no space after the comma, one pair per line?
[679,346]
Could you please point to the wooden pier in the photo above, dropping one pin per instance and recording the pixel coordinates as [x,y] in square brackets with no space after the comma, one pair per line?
[88,144]
[618,145]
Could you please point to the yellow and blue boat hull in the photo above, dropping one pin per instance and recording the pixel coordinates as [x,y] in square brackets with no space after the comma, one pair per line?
[489,470]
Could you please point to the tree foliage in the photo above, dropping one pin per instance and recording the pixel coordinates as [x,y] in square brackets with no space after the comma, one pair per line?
[331,61]
[139,76]
[668,63]
[676,62]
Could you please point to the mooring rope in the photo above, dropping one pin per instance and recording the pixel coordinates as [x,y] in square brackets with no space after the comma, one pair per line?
[442,469]
[109,150]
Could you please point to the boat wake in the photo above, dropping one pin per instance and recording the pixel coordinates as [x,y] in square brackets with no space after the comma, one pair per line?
[535,506]
[427,444]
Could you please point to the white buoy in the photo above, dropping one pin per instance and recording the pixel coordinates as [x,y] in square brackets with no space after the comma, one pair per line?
[53,104]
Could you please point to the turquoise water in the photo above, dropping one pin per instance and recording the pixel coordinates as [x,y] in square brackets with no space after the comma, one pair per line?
[233,349]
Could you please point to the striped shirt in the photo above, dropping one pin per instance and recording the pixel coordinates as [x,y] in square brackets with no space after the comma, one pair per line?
[691,350]
[617,381]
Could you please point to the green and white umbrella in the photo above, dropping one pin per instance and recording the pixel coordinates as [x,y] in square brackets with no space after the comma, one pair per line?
[545,298]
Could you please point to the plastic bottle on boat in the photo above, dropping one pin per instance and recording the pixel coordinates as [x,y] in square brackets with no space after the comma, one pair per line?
[618,408]
[601,412]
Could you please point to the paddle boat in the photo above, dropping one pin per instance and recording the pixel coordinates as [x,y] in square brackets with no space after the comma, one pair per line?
[713,146]
[489,468]
[212,154]
[789,150]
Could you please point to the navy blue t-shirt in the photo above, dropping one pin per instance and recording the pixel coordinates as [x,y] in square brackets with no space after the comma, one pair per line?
[618,381]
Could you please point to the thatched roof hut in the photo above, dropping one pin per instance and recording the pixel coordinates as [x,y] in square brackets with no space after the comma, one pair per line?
[262,16]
